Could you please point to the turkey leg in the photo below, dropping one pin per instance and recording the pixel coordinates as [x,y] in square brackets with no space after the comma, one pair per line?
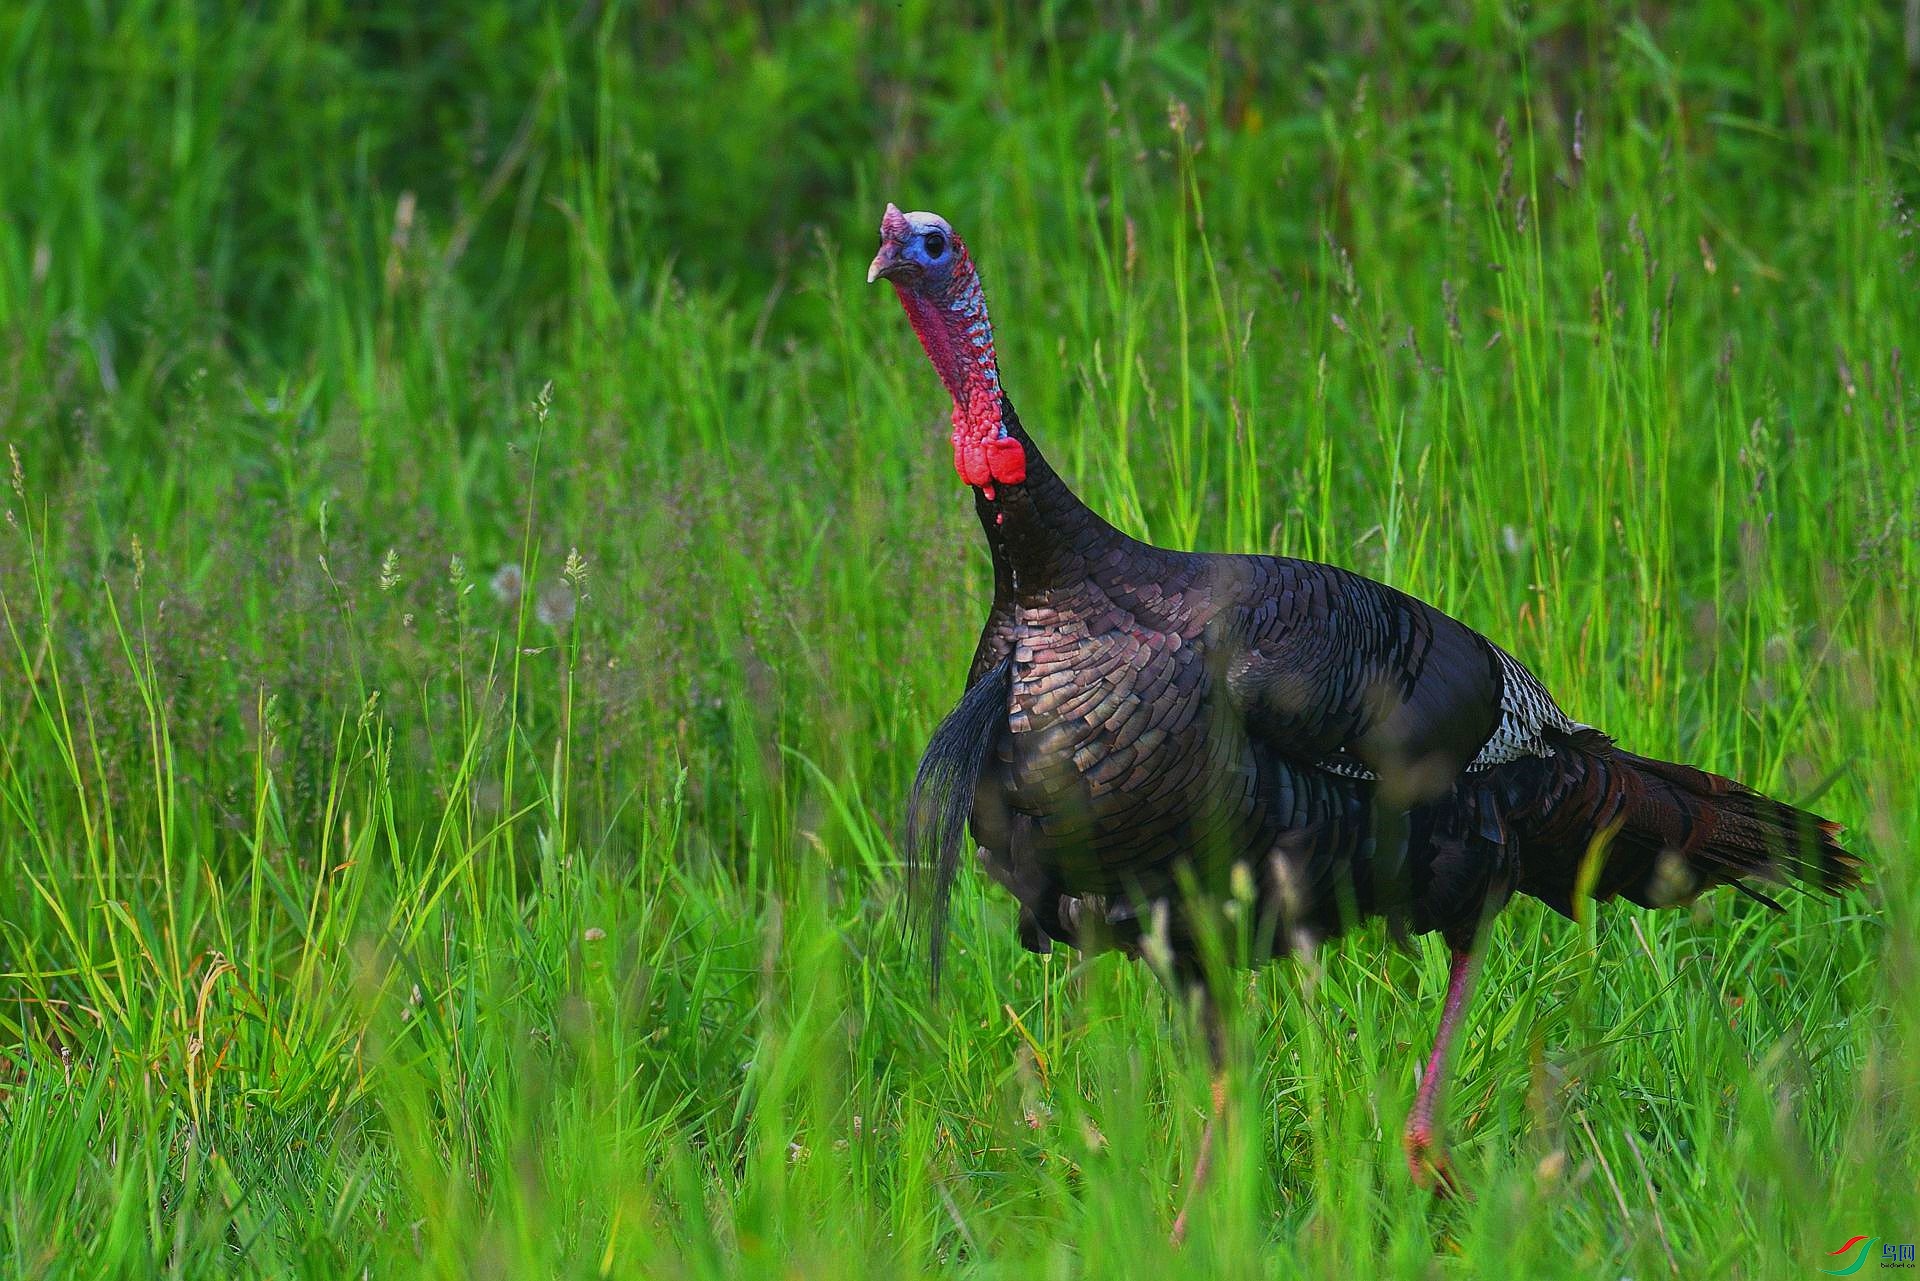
[1216,1117]
[1426,1157]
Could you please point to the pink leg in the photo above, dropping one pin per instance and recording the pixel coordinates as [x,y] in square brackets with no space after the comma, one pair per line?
[1203,1163]
[1426,1158]
[1215,1031]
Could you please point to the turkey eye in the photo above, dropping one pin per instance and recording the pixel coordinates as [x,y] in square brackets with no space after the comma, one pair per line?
[936,244]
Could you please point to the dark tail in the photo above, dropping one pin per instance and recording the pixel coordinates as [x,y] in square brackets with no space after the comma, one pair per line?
[1677,831]
[942,800]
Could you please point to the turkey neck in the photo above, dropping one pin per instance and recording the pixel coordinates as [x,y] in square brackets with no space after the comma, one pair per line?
[1042,537]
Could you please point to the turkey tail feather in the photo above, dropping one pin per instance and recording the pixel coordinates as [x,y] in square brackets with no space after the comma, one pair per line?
[942,800]
[1680,831]
[1725,831]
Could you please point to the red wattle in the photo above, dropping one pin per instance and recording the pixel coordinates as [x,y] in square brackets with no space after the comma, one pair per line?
[981,455]
[1007,460]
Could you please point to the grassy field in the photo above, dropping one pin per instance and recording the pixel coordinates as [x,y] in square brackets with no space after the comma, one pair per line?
[479,568]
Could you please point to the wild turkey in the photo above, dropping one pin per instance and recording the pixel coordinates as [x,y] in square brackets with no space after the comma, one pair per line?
[1138,720]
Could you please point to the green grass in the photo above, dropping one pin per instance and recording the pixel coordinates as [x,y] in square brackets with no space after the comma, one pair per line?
[365,913]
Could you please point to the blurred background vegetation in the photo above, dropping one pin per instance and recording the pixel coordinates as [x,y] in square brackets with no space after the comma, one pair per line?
[480,568]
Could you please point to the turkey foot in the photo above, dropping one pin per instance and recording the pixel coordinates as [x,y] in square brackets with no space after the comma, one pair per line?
[1432,1168]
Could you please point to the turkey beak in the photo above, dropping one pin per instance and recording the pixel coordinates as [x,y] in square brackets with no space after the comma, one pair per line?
[887,263]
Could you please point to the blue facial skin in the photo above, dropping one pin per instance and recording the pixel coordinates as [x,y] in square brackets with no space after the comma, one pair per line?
[930,248]
[920,250]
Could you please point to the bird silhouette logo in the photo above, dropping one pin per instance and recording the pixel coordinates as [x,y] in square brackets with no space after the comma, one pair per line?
[1858,1263]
